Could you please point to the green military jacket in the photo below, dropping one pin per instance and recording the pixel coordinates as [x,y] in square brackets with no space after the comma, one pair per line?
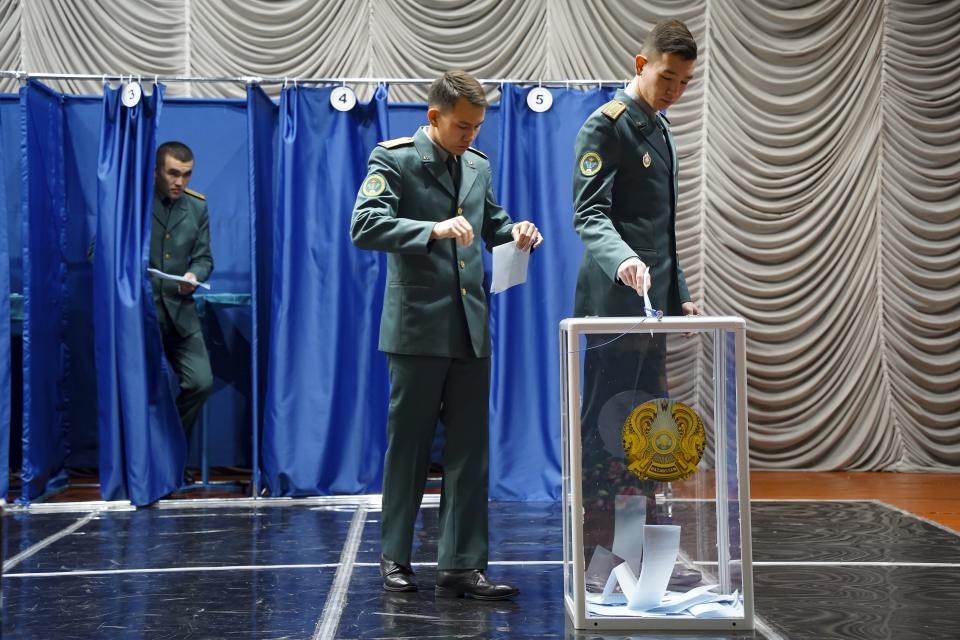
[434,287]
[624,205]
[179,242]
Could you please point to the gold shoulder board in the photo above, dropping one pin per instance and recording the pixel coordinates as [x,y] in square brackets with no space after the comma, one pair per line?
[396,142]
[196,195]
[613,109]
[478,152]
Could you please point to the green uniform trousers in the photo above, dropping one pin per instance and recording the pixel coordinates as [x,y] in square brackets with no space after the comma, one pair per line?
[424,389]
[631,368]
[189,359]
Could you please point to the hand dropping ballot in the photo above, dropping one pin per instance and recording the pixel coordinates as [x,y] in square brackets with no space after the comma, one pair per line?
[168,276]
[509,266]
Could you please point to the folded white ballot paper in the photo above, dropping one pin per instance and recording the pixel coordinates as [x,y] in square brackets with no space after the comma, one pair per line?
[509,266]
[169,276]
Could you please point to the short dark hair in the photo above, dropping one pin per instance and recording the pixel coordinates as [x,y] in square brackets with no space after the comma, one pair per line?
[670,36]
[453,85]
[178,150]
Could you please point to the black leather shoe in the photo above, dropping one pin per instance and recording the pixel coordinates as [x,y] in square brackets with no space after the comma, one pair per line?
[684,577]
[396,577]
[473,583]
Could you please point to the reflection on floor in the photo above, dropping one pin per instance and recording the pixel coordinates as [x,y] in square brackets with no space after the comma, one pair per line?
[308,569]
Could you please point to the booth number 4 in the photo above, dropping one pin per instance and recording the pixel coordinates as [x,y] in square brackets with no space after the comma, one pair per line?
[539,99]
[343,98]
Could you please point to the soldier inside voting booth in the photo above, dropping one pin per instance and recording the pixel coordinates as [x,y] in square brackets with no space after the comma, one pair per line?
[180,246]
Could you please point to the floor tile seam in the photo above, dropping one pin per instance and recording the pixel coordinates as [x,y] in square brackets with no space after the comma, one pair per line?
[933,523]
[46,542]
[252,567]
[501,563]
[865,563]
[148,570]
[333,605]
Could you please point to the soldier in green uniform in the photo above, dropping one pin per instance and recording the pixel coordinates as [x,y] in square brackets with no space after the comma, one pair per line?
[180,245]
[422,202]
[625,200]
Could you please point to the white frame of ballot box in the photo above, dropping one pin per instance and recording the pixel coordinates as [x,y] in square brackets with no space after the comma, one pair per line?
[571,331]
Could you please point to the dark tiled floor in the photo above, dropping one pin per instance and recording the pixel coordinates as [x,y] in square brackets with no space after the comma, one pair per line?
[185,572]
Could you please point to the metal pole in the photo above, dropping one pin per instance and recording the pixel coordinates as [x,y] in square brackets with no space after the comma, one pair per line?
[141,77]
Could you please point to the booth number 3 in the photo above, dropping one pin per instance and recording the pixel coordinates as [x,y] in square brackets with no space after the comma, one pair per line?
[539,99]
[131,94]
[343,98]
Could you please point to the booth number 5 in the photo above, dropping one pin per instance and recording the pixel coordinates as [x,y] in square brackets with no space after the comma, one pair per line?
[539,99]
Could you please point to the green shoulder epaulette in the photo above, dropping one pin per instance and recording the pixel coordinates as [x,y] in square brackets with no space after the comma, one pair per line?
[613,109]
[396,142]
[198,196]
[478,152]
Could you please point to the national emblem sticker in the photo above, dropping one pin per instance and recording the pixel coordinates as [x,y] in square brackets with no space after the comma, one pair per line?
[663,440]
[374,185]
[647,160]
[590,163]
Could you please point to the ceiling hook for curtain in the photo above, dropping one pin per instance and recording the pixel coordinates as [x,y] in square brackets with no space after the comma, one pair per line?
[567,84]
[284,82]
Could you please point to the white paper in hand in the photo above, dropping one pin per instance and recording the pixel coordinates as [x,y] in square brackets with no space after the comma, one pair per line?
[509,267]
[168,276]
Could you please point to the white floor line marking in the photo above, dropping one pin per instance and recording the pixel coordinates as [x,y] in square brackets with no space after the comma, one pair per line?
[894,507]
[336,565]
[333,607]
[46,542]
[108,572]
[841,563]
[405,615]
[764,627]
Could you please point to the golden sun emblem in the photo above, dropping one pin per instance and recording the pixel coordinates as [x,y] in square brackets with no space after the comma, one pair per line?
[663,440]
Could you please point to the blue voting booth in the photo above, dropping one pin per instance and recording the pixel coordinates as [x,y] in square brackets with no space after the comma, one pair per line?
[291,321]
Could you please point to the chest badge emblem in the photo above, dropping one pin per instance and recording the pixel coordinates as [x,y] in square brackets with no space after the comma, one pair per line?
[647,160]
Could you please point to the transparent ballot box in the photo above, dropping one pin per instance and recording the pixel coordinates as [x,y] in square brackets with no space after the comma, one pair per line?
[656,524]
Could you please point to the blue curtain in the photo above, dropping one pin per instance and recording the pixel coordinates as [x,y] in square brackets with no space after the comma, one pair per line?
[44,290]
[326,400]
[534,181]
[5,397]
[262,117]
[216,131]
[79,390]
[142,447]
[11,176]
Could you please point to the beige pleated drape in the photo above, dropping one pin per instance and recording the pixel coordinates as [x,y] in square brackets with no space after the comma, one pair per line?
[820,155]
